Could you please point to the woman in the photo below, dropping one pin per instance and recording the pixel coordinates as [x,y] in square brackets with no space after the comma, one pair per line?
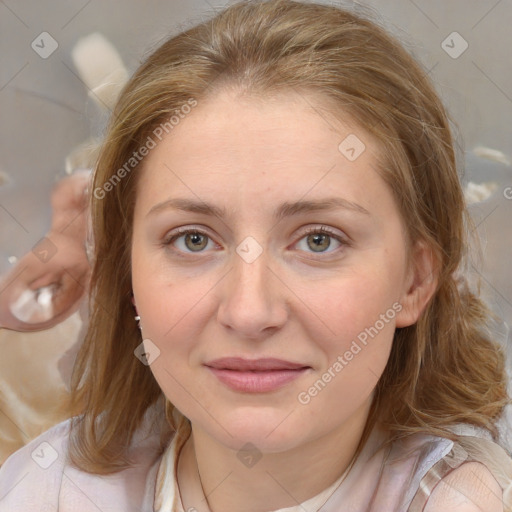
[277,203]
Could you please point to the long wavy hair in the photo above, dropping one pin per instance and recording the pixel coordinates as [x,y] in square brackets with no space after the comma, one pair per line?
[444,369]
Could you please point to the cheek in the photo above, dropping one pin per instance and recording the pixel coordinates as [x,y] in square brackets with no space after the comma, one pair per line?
[354,328]
[172,309]
[349,305]
[166,298]
[360,319]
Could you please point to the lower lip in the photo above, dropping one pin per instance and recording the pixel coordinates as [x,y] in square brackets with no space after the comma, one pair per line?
[256,382]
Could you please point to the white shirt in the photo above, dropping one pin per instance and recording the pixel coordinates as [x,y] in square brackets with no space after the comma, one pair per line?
[39,478]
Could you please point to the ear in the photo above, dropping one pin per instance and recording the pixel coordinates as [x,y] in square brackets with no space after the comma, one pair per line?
[420,285]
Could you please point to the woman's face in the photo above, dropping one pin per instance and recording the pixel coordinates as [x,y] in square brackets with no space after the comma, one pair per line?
[297,253]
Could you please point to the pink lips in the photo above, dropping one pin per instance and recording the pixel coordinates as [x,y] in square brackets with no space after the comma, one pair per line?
[255,376]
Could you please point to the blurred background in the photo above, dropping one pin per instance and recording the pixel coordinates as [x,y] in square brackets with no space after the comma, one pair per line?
[48,111]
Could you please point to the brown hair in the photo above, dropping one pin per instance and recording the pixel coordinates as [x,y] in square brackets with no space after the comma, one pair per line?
[442,370]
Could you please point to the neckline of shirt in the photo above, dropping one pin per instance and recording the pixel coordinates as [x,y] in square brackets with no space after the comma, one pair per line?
[167,493]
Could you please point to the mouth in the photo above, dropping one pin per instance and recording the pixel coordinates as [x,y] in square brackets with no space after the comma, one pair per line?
[256,376]
[256,365]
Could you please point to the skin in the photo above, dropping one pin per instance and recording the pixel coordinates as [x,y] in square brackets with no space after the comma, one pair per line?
[249,156]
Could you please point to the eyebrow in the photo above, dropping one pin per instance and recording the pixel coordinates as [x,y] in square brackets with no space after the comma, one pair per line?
[286,209]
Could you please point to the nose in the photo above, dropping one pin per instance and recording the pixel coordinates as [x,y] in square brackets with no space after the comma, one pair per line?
[253,299]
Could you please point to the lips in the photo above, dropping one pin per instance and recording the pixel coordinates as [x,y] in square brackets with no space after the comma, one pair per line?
[255,375]
[257,365]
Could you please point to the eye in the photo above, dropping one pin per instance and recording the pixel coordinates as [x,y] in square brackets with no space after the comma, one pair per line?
[194,240]
[318,240]
[189,240]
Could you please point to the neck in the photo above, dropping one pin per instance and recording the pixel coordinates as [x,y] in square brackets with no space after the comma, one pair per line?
[287,478]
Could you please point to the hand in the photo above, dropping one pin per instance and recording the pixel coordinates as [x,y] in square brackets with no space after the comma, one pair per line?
[47,284]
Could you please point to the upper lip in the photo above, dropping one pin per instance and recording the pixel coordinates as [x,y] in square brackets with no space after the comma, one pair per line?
[241,364]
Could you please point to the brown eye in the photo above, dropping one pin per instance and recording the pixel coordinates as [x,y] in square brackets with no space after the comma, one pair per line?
[188,240]
[196,241]
[319,242]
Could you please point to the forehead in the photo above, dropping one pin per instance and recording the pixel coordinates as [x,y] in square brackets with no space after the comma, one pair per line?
[288,125]
[262,149]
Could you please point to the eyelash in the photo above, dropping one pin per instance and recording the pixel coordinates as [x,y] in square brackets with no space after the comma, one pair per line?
[168,241]
[323,230]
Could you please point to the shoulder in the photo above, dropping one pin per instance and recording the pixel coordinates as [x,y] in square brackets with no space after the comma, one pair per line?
[38,466]
[474,476]
[39,476]
[434,473]
[469,488]
[41,451]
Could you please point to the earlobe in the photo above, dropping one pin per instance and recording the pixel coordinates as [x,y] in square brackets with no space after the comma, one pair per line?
[420,286]
[136,316]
